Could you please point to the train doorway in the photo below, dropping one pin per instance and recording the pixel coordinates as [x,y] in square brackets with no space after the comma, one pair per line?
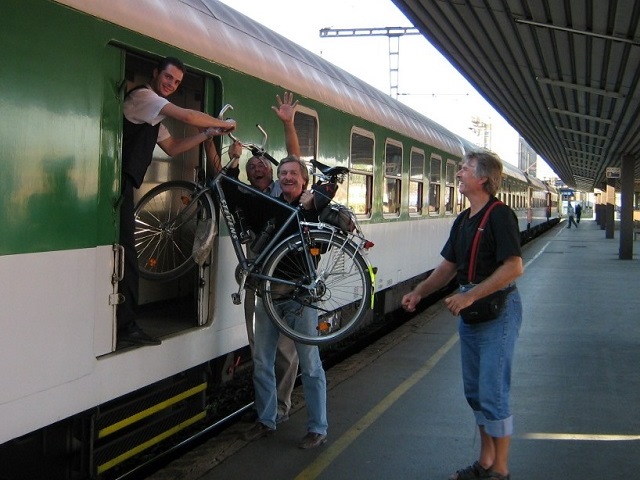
[170,306]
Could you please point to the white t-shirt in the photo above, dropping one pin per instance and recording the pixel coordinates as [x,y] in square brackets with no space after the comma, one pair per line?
[143,106]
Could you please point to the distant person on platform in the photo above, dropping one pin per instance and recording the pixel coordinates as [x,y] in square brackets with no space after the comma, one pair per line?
[571,213]
[578,212]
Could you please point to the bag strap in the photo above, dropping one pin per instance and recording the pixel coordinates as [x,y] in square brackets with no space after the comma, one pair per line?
[476,241]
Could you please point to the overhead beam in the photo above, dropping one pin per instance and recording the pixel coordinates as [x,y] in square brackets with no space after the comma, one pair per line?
[580,115]
[576,31]
[582,152]
[581,88]
[580,132]
[367,32]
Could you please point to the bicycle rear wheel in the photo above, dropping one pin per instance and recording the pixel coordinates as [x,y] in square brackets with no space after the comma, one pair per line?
[166,221]
[341,294]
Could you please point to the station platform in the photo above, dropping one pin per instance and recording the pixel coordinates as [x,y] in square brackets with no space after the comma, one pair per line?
[397,410]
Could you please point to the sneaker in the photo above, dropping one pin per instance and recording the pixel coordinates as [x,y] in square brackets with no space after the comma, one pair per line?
[312,440]
[258,430]
[470,473]
[135,336]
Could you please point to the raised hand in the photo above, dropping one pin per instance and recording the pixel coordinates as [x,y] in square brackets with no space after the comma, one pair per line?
[286,107]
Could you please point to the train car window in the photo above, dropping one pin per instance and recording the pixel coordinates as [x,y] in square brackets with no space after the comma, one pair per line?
[307,128]
[450,188]
[393,178]
[462,201]
[416,182]
[435,175]
[360,188]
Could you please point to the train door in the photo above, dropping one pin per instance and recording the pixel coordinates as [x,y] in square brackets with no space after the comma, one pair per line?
[168,307]
[108,258]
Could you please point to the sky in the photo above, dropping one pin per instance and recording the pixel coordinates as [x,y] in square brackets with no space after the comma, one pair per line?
[427,82]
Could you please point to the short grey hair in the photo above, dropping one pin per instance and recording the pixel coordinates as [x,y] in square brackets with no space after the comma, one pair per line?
[488,164]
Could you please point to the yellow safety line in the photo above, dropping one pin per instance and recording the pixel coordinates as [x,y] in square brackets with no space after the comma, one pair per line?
[150,411]
[149,443]
[585,437]
[341,444]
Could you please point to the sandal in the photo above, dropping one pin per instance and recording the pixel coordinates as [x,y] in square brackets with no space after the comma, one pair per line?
[471,472]
[491,475]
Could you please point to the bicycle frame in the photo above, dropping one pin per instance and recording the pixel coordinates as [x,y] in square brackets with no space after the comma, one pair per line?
[307,264]
[248,267]
[318,265]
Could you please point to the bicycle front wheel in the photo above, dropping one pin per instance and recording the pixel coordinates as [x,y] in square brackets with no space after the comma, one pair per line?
[339,288]
[167,218]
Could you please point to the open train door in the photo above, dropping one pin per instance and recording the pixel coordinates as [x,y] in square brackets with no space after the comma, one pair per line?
[167,306]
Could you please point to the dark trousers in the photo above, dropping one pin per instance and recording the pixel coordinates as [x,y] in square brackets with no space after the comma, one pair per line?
[128,286]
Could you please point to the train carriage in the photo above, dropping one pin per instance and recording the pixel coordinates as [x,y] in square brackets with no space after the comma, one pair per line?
[71,405]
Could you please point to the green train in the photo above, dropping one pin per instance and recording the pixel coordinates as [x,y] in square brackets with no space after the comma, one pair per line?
[71,406]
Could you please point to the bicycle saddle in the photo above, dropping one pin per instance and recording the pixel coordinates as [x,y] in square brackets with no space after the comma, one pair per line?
[329,171]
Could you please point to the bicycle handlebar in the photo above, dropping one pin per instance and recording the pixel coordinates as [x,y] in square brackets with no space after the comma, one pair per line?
[256,150]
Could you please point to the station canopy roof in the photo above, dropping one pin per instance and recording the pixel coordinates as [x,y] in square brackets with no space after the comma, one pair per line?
[563,73]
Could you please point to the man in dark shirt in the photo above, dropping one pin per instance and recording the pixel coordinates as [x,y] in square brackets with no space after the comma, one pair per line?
[486,348]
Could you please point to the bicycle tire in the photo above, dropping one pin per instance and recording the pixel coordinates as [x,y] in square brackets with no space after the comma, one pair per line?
[344,291]
[165,227]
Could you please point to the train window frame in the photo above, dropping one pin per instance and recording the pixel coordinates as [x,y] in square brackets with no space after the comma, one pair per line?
[416,182]
[392,189]
[361,177]
[308,141]
[307,125]
[450,188]
[435,179]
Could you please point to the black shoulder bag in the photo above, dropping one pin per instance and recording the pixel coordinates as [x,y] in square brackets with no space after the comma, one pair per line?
[489,307]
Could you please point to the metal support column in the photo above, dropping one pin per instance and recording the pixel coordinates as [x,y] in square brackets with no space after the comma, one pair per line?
[609,211]
[626,207]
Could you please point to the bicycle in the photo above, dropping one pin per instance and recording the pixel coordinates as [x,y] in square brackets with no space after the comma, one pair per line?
[321,266]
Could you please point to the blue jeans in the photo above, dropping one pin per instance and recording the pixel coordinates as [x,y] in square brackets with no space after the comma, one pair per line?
[314,383]
[487,355]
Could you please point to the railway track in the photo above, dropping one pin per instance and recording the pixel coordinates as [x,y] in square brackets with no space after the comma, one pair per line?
[235,401]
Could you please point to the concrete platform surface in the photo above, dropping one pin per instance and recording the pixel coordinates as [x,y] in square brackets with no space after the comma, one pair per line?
[397,411]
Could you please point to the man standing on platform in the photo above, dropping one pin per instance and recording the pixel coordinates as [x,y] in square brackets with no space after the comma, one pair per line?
[487,348]
[571,214]
[578,212]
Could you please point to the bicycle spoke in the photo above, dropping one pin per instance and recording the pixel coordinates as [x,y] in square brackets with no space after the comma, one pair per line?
[338,289]
[166,221]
